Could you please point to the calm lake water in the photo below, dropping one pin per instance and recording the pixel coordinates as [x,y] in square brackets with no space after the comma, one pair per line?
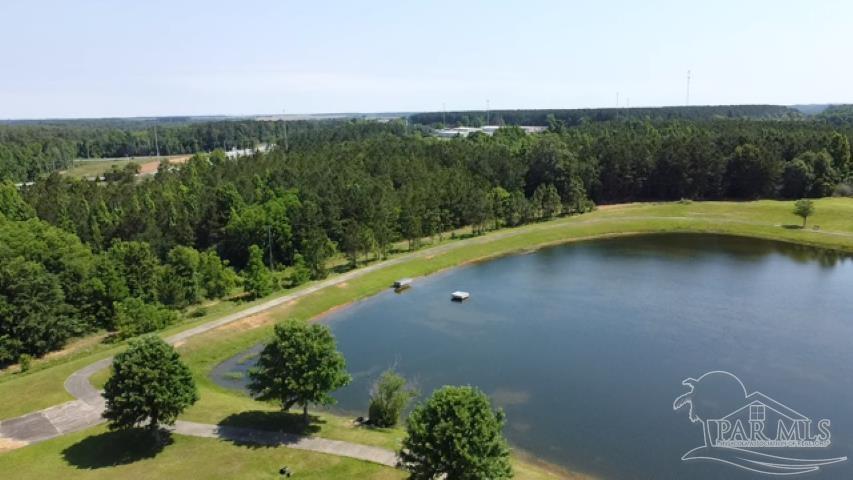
[585,345]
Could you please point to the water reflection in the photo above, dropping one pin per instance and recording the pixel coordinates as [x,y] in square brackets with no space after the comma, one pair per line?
[585,345]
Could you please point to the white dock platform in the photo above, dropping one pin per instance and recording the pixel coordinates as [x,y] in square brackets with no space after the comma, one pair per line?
[460,296]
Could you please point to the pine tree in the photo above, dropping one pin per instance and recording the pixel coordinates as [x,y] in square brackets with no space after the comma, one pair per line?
[257,279]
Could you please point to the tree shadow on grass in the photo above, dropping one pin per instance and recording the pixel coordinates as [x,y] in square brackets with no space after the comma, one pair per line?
[267,429]
[121,447]
[792,227]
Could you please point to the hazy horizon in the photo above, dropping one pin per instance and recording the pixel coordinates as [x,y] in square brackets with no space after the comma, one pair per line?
[93,59]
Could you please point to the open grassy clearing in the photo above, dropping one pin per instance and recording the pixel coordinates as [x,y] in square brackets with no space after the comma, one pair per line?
[97,167]
[764,219]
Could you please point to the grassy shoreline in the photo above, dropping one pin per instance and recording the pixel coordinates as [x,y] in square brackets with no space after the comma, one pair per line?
[769,220]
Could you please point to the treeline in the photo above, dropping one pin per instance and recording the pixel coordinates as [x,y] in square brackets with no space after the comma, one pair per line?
[31,150]
[713,160]
[124,254]
[53,287]
[837,115]
[574,117]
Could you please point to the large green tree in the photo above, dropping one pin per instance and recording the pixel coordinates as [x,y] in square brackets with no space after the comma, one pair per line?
[12,205]
[257,279]
[300,366]
[180,279]
[139,265]
[149,383]
[456,434]
[34,318]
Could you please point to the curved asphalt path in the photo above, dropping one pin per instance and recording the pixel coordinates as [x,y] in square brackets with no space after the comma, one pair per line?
[85,411]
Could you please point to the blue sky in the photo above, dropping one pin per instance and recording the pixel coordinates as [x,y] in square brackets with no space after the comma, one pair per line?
[126,58]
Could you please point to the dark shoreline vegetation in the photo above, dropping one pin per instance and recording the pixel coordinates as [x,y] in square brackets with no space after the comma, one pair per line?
[125,254]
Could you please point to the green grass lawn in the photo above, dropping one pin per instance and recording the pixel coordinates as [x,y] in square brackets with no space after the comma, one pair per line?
[42,386]
[830,227]
[98,454]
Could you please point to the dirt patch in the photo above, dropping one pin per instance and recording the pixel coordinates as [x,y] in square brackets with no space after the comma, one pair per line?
[7,444]
[77,345]
[614,206]
[342,285]
[150,168]
[248,323]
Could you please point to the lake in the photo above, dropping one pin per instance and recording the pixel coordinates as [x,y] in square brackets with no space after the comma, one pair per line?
[585,345]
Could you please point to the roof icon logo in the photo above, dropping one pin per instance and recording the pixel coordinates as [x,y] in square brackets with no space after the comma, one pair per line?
[740,427]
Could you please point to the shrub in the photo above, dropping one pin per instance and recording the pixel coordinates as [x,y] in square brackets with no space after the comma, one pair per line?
[25,362]
[388,399]
[300,273]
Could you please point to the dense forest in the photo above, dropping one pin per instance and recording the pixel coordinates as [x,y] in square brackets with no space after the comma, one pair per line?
[574,117]
[31,150]
[125,254]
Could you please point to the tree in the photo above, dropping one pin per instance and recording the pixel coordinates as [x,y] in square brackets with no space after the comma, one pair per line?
[804,208]
[316,250]
[258,225]
[138,265]
[839,148]
[499,204]
[216,277]
[300,273]
[547,200]
[12,205]
[135,317]
[797,179]
[257,279]
[33,316]
[388,399]
[456,434]
[300,366]
[825,176]
[148,383]
[104,290]
[752,173]
[180,279]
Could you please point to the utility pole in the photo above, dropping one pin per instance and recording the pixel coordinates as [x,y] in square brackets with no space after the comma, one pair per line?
[443,114]
[269,241]
[687,101]
[617,99]
[284,119]
[156,141]
[487,111]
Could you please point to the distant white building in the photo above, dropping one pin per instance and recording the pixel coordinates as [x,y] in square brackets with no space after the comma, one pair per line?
[245,152]
[488,130]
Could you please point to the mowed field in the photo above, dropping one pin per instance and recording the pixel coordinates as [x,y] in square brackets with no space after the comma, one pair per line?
[97,167]
[830,227]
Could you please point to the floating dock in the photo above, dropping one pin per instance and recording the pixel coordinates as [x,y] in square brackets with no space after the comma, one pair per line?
[403,283]
[459,296]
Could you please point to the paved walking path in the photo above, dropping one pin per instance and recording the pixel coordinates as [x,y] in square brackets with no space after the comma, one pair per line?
[85,410]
